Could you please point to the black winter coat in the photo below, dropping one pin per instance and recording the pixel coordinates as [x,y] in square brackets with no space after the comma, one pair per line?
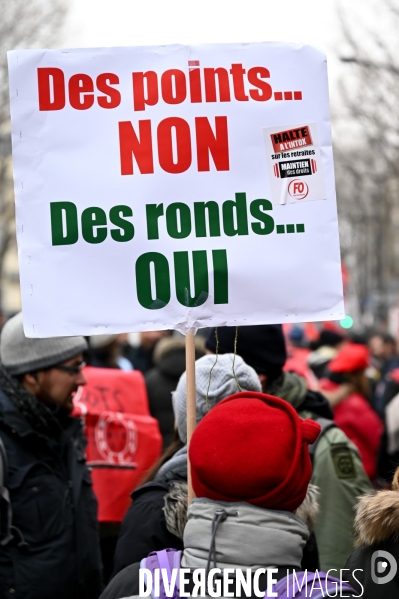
[377,559]
[361,565]
[147,519]
[55,552]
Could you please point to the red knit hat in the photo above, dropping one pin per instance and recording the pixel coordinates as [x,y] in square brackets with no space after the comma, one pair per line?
[351,357]
[253,447]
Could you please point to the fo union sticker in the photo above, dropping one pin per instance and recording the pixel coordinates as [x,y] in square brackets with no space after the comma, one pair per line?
[294,163]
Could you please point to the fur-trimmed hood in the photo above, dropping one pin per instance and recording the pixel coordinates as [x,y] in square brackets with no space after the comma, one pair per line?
[377,518]
[173,344]
[176,508]
[170,356]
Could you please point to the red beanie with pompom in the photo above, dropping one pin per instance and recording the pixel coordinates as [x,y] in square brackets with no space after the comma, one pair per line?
[253,447]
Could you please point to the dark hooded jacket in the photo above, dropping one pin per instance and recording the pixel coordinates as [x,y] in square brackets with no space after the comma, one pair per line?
[54,549]
[144,527]
[161,381]
[375,564]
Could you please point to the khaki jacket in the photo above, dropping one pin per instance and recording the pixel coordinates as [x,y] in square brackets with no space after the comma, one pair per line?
[339,474]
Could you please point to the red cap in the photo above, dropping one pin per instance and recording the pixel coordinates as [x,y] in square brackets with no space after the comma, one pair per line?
[253,447]
[351,357]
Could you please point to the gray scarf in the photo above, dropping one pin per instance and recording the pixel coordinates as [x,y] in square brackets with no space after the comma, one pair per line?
[250,537]
[175,468]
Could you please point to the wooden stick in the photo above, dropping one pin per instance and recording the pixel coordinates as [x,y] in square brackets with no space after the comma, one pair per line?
[191,401]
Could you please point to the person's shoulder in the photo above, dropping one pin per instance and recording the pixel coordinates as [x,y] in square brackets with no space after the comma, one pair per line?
[153,490]
[8,410]
[124,585]
[152,375]
[76,428]
[13,426]
[147,499]
[332,436]
[335,452]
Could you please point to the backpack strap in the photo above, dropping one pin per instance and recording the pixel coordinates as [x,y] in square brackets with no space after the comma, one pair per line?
[5,497]
[325,424]
[169,560]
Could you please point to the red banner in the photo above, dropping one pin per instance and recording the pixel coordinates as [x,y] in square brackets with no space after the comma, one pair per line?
[123,438]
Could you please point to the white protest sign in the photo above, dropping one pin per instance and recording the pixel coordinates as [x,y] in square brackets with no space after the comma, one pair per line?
[145,190]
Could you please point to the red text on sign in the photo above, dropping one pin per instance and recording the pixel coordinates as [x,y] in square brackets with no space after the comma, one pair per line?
[173,86]
[173,145]
[81,91]
[212,85]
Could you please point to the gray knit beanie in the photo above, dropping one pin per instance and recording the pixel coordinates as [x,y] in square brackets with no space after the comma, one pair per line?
[20,354]
[222,385]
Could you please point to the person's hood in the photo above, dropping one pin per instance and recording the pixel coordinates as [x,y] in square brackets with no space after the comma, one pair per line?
[293,388]
[175,509]
[250,537]
[322,355]
[173,363]
[377,518]
[175,468]
[289,386]
[170,355]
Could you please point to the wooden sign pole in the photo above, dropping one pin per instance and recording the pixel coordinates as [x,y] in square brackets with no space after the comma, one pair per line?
[191,401]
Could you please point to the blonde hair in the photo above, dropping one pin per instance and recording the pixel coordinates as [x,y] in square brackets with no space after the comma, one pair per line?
[395,481]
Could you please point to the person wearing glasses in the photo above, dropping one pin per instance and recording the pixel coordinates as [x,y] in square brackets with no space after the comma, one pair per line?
[49,545]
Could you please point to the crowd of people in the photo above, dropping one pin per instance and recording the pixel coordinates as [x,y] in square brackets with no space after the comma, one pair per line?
[293,461]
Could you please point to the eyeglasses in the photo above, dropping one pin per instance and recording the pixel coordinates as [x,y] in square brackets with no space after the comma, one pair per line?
[72,369]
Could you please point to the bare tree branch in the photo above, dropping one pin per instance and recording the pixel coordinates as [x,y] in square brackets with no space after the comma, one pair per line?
[369,64]
[367,157]
[23,24]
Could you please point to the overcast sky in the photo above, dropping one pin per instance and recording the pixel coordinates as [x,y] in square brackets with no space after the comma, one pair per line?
[151,22]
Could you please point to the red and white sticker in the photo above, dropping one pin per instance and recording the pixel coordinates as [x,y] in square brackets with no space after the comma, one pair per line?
[289,139]
[294,163]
